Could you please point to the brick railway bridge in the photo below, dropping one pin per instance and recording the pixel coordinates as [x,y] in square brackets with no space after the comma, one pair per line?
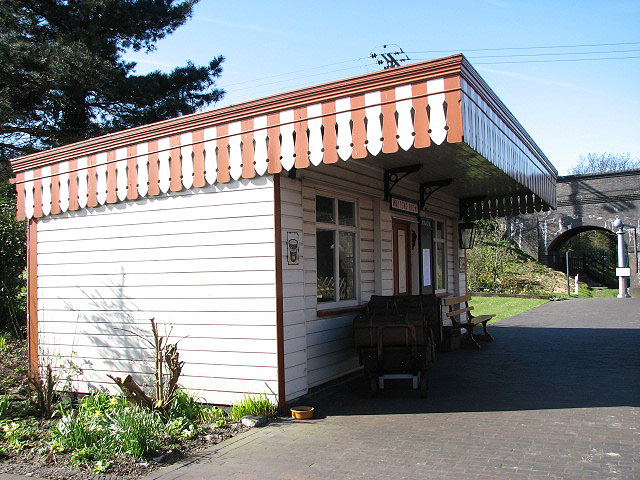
[584,202]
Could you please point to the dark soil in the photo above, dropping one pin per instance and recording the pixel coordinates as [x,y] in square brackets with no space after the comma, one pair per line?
[13,371]
[36,460]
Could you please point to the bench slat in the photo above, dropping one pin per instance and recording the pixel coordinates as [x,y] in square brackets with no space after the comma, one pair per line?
[458,312]
[474,321]
[483,318]
[455,300]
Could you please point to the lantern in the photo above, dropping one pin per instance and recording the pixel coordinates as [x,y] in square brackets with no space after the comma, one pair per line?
[466,232]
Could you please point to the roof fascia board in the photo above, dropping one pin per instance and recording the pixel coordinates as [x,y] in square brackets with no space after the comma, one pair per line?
[472,77]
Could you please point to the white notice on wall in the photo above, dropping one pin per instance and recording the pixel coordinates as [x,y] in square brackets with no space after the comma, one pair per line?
[426,267]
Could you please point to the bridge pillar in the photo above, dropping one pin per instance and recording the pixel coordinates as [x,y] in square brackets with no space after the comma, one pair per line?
[622,259]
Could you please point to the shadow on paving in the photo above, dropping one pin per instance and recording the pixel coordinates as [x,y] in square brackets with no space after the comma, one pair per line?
[526,368]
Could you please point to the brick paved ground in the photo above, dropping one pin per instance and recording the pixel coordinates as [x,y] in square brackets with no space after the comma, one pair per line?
[557,396]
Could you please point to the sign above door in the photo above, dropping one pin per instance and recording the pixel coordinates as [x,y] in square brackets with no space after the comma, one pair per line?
[403,205]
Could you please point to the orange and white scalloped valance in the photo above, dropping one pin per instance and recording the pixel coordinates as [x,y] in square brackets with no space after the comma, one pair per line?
[351,127]
[433,102]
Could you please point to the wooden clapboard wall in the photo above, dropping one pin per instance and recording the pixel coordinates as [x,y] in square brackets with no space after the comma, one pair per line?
[200,261]
[319,348]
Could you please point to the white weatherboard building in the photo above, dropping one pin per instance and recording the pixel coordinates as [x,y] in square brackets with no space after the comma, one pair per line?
[254,233]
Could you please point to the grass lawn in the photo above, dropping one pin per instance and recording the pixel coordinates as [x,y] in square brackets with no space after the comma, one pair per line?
[586,292]
[600,293]
[503,307]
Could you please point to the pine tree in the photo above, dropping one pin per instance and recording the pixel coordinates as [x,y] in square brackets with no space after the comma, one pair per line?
[64,79]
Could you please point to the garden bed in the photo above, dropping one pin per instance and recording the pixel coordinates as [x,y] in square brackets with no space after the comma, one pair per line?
[61,466]
[102,436]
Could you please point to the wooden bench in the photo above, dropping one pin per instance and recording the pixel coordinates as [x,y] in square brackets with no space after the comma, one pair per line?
[460,305]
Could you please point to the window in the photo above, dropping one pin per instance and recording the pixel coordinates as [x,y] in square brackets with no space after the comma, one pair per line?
[336,267]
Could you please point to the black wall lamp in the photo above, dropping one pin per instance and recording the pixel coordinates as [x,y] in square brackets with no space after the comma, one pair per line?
[466,232]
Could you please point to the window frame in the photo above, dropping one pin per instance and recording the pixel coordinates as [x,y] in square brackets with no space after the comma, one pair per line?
[337,228]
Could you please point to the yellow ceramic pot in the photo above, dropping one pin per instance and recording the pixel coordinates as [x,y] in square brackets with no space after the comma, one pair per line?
[302,412]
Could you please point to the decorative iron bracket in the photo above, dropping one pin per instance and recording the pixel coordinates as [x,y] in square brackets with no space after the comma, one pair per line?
[429,188]
[465,203]
[393,175]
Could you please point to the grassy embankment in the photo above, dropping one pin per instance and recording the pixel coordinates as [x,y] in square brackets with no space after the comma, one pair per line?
[496,265]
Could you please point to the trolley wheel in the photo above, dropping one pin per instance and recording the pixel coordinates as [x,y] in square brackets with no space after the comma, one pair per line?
[373,386]
[423,386]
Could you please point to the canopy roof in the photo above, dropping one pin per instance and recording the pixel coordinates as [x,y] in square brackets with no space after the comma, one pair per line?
[438,113]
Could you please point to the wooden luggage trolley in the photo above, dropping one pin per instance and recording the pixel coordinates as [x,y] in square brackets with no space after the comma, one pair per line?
[395,339]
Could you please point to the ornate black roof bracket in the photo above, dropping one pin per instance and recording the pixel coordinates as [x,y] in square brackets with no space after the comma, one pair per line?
[393,175]
[466,203]
[429,188]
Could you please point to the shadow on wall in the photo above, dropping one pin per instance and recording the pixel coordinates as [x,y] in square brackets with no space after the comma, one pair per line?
[524,369]
[104,329]
[107,337]
[583,191]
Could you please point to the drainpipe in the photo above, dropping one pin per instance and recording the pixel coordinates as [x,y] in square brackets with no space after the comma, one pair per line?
[622,271]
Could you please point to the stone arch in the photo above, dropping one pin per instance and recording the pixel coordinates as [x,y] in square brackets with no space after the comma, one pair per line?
[572,232]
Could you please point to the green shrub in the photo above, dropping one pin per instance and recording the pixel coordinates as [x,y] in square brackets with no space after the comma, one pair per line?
[184,405]
[251,405]
[135,430]
[213,415]
[180,428]
[105,426]
[496,265]
[17,435]
[101,402]
[4,406]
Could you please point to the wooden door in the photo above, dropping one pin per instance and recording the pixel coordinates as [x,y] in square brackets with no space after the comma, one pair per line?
[401,258]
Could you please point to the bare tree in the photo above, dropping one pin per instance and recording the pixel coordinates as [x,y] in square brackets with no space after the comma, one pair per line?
[604,163]
[165,381]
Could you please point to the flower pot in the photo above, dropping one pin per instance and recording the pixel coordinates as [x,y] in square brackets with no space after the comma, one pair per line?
[302,412]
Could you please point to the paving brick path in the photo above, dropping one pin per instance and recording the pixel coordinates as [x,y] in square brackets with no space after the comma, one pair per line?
[557,396]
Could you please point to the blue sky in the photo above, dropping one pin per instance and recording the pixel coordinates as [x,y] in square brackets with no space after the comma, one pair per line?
[570,108]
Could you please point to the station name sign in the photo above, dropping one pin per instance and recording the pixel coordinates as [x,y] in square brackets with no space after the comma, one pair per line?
[623,272]
[403,205]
